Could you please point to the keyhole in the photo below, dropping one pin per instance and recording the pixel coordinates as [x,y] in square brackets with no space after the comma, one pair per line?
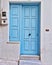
[29,34]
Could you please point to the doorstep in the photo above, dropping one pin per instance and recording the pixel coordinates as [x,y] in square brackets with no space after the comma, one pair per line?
[29,57]
[30,62]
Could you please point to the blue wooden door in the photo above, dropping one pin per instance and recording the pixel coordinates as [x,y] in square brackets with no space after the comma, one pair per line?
[14,34]
[25,27]
[30,31]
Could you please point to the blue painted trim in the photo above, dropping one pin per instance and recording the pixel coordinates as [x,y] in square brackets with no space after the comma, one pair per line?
[24,3]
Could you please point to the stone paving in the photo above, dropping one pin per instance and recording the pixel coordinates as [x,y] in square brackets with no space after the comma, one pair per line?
[8,62]
[30,62]
[22,62]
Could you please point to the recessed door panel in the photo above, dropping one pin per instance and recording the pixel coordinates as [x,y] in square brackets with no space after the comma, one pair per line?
[26,20]
[26,11]
[34,11]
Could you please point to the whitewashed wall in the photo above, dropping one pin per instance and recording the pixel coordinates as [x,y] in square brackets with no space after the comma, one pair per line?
[9,51]
[46,37]
[0,4]
[0,15]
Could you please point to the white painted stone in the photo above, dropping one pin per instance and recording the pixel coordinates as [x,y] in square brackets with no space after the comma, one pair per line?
[8,62]
[30,62]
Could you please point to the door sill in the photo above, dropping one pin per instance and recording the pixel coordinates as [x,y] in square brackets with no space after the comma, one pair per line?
[29,57]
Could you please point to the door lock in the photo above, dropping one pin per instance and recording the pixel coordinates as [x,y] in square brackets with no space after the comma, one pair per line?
[29,34]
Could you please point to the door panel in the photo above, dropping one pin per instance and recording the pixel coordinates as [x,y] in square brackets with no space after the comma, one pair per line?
[33,33]
[26,32]
[34,22]
[26,20]
[34,10]
[26,11]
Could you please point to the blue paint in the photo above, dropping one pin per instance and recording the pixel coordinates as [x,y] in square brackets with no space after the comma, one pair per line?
[25,27]
[14,23]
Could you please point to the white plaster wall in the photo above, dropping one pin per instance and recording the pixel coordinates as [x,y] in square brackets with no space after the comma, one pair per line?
[0,4]
[0,15]
[8,51]
[46,37]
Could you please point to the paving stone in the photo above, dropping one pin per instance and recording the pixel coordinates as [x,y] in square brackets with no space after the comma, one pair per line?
[30,62]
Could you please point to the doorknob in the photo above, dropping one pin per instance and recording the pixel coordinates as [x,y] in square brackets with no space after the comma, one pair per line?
[29,34]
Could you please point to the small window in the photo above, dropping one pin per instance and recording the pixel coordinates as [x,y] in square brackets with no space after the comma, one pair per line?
[4,14]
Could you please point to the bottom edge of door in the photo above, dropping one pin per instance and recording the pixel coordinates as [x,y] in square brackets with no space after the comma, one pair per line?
[29,57]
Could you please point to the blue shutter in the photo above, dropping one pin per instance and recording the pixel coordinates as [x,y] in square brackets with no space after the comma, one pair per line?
[14,23]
